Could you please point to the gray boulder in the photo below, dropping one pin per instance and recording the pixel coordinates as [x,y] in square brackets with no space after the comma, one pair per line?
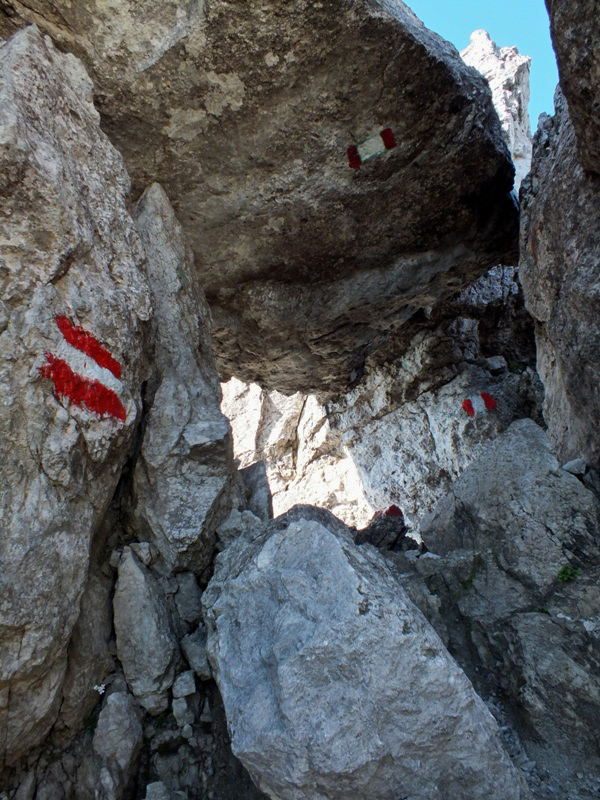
[73,306]
[560,264]
[246,113]
[146,645]
[515,561]
[334,684]
[183,475]
[118,739]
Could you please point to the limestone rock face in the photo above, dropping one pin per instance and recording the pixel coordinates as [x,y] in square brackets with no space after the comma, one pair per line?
[334,684]
[244,113]
[304,459]
[507,73]
[514,556]
[146,644]
[575,29]
[72,306]
[560,268]
[183,475]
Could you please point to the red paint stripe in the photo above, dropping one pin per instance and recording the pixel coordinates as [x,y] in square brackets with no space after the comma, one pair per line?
[389,140]
[82,392]
[354,161]
[394,511]
[88,344]
[488,401]
[468,407]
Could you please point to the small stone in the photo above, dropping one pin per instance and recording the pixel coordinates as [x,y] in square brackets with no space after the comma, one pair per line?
[185,684]
[115,558]
[157,791]
[188,597]
[143,551]
[194,649]
[496,365]
[577,466]
[187,732]
[181,712]
[206,716]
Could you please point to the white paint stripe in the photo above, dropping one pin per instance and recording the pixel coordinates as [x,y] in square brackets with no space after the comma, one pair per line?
[373,146]
[478,404]
[85,366]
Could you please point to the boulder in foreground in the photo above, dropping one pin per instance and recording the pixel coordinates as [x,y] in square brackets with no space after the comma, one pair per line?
[334,684]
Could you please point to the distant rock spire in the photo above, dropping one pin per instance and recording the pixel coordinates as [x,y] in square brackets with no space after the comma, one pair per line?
[507,73]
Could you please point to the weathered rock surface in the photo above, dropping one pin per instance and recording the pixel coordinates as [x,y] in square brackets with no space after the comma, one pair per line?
[244,114]
[514,559]
[575,29]
[507,73]
[560,269]
[146,645]
[118,738]
[69,257]
[182,480]
[334,684]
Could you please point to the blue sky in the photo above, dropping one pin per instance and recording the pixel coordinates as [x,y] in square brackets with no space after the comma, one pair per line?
[523,23]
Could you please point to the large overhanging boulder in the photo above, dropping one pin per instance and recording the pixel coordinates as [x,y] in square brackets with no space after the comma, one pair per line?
[245,113]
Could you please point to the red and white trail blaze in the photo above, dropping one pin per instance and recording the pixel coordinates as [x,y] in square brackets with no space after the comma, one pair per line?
[477,403]
[373,146]
[84,372]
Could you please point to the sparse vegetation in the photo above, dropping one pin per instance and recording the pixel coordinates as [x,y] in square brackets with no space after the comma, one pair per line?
[467,582]
[568,573]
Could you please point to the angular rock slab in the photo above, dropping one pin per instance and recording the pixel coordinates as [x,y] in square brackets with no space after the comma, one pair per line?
[334,684]
[183,477]
[118,737]
[560,269]
[245,112]
[69,256]
[146,645]
[575,29]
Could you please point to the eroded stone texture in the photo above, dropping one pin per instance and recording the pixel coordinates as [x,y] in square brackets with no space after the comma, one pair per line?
[575,28]
[514,557]
[507,73]
[334,684]
[146,645]
[244,113]
[560,269]
[182,480]
[68,249]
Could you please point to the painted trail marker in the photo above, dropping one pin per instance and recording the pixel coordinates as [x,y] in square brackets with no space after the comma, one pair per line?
[477,403]
[84,372]
[372,147]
